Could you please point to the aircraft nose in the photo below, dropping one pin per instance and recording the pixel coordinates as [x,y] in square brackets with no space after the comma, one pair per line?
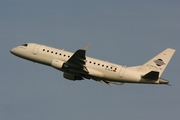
[12,50]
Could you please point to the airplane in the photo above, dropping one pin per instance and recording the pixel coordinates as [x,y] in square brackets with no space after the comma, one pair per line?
[77,66]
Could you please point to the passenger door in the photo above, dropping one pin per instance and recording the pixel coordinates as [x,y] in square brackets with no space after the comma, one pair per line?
[36,49]
[122,70]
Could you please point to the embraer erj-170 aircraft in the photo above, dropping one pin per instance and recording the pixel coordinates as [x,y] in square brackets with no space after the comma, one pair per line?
[76,66]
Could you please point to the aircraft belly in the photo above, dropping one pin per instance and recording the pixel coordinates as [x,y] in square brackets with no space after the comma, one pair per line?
[110,76]
[95,73]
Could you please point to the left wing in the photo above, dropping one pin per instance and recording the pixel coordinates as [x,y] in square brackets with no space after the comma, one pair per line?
[77,62]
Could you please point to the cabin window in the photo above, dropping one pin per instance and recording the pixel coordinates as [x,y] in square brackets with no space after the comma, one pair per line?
[56,53]
[94,63]
[47,50]
[60,54]
[98,64]
[68,56]
[43,49]
[102,65]
[89,61]
[64,55]
[51,51]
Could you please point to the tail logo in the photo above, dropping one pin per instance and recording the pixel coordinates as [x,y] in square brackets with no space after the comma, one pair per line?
[159,62]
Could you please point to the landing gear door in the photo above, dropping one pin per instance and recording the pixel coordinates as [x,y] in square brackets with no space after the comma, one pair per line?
[36,49]
[122,70]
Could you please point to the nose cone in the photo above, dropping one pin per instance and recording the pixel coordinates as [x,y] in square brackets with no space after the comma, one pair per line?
[13,50]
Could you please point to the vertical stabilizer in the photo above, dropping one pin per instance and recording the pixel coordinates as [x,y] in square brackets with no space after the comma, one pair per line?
[158,63]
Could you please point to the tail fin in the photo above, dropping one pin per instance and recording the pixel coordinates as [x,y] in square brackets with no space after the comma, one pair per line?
[158,63]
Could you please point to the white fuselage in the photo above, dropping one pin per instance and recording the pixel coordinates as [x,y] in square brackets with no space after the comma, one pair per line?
[98,69]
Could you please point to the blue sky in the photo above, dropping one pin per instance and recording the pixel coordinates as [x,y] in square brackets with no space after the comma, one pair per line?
[124,32]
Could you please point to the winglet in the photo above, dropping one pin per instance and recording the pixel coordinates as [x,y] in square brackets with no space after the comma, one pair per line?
[85,48]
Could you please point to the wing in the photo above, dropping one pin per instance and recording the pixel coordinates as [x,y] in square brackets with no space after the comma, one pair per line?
[77,62]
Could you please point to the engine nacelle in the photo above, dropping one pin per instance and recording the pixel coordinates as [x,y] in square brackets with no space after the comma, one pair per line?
[57,64]
[72,77]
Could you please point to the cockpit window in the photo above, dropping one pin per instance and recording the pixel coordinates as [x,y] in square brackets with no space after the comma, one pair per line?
[25,45]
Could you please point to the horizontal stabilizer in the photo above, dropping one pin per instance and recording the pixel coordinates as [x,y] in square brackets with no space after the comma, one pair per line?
[153,75]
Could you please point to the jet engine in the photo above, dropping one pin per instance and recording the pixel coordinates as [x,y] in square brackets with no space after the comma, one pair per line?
[58,64]
[72,77]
